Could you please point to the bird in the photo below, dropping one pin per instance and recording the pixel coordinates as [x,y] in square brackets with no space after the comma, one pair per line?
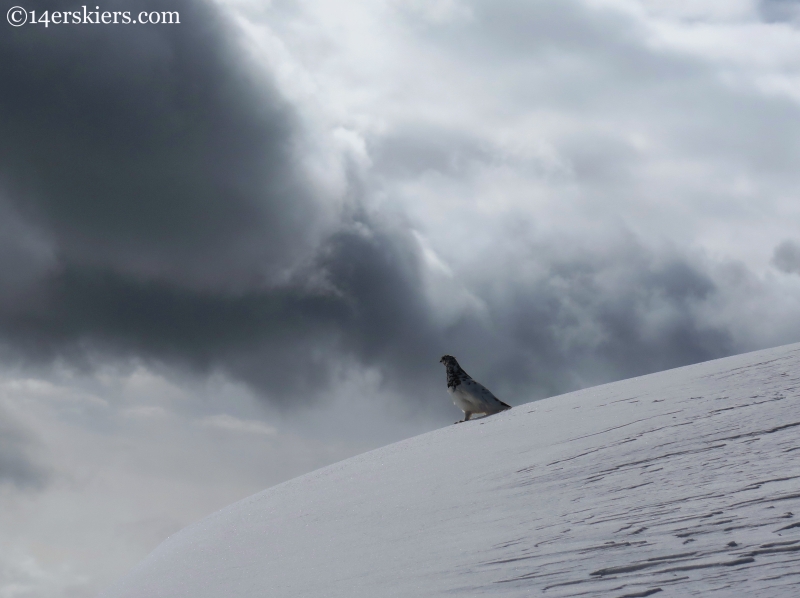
[468,395]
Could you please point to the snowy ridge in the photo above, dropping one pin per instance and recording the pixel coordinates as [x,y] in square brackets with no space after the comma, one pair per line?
[685,482]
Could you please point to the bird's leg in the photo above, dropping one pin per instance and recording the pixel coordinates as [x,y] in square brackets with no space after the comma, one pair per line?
[467,415]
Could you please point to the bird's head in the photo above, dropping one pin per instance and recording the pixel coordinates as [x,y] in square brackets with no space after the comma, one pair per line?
[448,360]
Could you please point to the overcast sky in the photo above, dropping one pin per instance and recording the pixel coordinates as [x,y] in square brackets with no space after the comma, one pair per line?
[233,250]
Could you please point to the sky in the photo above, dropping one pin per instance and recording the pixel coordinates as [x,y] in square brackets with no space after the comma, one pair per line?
[233,249]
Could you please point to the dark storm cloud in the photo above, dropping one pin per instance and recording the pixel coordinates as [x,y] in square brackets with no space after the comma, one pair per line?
[17,467]
[786,257]
[157,175]
[152,196]
[149,193]
[152,150]
[287,341]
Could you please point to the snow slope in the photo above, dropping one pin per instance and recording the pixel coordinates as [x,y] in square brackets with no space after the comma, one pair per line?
[684,482]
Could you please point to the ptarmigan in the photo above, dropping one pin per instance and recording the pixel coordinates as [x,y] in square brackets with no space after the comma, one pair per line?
[468,395]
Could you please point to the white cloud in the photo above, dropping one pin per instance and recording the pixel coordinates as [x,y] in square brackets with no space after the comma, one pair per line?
[579,116]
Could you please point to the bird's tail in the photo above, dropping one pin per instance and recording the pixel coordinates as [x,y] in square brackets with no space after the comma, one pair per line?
[505,406]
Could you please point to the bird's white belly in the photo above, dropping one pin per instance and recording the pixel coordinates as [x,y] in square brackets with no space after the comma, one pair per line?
[467,401]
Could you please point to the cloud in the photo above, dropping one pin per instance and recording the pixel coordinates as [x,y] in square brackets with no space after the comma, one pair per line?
[145,411]
[779,10]
[590,317]
[160,153]
[24,576]
[17,465]
[524,217]
[150,189]
[786,257]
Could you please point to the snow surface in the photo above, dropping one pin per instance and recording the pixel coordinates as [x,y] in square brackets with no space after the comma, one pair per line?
[683,481]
